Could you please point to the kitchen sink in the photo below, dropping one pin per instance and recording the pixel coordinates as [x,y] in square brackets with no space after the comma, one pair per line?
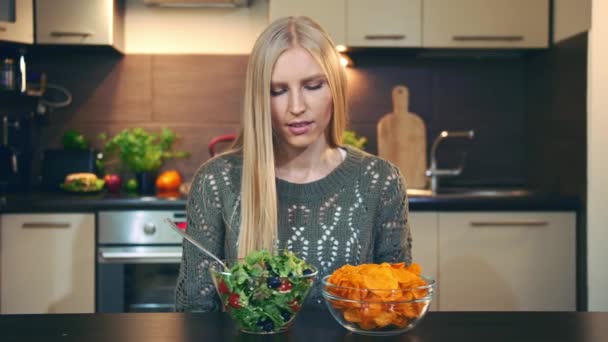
[470,192]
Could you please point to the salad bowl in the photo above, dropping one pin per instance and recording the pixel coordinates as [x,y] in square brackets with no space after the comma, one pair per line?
[263,293]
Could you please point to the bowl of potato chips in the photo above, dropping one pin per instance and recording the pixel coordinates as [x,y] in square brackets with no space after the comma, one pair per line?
[378,299]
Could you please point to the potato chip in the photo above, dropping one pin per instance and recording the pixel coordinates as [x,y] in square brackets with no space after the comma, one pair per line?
[367,325]
[378,292]
[400,321]
[380,278]
[384,319]
[352,315]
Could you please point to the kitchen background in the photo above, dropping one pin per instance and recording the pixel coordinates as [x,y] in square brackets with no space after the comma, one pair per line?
[184,69]
[527,107]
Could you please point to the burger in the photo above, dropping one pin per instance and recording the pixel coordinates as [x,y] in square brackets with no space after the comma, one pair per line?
[82,182]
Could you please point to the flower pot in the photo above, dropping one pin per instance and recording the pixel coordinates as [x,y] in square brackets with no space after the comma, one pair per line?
[146,181]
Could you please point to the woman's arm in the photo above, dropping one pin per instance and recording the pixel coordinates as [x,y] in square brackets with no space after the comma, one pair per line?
[393,239]
[195,290]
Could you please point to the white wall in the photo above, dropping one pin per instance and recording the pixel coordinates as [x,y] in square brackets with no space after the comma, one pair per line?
[570,17]
[157,30]
[597,158]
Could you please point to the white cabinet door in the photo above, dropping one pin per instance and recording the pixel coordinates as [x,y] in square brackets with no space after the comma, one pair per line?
[330,14]
[91,22]
[500,261]
[386,23]
[485,23]
[424,227]
[17,21]
[47,263]
[570,17]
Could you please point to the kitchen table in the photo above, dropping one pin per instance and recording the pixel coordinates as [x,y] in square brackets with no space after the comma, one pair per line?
[310,326]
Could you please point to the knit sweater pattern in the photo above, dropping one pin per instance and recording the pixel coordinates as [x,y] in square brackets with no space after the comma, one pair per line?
[356,214]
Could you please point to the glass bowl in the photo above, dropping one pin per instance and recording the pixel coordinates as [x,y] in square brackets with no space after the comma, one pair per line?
[378,312]
[265,303]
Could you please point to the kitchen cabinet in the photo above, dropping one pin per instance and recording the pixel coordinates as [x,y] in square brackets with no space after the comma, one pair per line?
[570,17]
[75,22]
[17,21]
[47,263]
[330,14]
[427,23]
[507,261]
[425,233]
[485,23]
[387,23]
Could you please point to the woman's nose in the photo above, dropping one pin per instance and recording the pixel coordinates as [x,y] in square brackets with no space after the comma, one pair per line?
[297,104]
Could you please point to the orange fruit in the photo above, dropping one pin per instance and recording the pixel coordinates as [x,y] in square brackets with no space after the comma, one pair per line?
[169,180]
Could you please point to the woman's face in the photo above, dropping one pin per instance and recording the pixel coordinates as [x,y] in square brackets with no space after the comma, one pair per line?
[301,101]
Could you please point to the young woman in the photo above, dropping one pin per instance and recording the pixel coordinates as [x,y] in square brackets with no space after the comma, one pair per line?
[288,183]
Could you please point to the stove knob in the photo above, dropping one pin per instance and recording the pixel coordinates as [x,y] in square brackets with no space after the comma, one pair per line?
[149,228]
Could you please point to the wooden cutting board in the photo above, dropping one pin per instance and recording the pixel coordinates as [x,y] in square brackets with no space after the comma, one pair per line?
[402,140]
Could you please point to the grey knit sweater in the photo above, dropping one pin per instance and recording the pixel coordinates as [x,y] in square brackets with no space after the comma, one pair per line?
[356,214]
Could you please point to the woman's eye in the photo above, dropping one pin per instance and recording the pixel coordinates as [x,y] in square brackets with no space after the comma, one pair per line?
[314,86]
[277,92]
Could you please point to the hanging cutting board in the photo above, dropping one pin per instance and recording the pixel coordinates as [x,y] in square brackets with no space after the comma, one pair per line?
[402,139]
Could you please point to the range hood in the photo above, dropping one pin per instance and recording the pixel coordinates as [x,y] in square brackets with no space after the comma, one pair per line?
[197,3]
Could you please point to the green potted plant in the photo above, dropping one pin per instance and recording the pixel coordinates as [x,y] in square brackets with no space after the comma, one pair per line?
[352,139]
[143,153]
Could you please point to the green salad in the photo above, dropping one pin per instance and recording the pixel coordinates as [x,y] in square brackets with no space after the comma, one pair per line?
[263,291]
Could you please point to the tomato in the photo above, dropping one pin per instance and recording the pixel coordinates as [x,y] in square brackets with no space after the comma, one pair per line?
[168,181]
[233,301]
[223,288]
[293,305]
[285,286]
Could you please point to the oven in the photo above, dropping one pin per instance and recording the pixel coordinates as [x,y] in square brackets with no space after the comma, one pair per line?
[138,258]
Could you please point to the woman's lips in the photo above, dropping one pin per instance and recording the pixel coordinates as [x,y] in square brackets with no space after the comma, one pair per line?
[300,128]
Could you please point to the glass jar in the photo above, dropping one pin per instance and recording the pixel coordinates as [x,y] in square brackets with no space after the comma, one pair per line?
[7,74]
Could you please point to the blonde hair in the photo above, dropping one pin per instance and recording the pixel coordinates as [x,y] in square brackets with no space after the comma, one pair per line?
[259,219]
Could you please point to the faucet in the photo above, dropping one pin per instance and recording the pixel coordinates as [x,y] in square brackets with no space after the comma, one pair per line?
[433,172]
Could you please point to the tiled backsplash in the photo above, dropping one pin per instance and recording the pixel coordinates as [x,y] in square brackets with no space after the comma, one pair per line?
[200,96]
[485,95]
[557,118]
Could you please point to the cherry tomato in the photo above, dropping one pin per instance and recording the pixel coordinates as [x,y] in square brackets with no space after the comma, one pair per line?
[285,286]
[293,305]
[233,301]
[223,288]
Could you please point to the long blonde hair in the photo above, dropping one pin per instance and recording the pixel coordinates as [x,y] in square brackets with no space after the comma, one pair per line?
[258,188]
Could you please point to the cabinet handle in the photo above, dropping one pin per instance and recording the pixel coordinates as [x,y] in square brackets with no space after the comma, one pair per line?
[34,225]
[534,223]
[488,38]
[70,34]
[385,36]
[2,29]
[140,257]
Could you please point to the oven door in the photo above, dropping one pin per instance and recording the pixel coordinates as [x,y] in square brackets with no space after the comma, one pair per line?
[137,278]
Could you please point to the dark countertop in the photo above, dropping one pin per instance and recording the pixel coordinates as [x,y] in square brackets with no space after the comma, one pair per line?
[309,326]
[523,202]
[35,202]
